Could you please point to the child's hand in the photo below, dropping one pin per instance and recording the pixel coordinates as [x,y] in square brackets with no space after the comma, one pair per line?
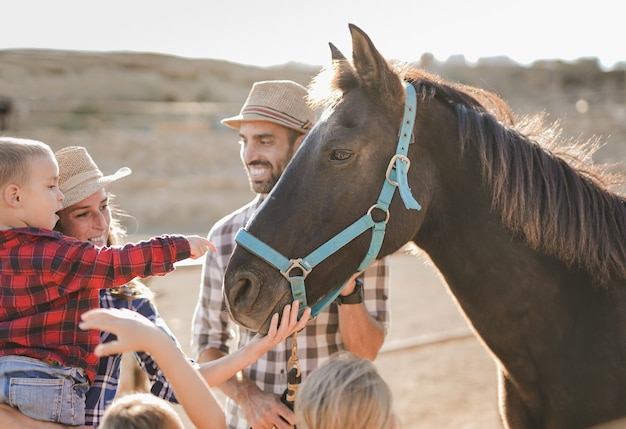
[199,246]
[134,331]
[289,324]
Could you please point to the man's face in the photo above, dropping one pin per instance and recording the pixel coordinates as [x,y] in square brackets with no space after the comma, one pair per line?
[265,151]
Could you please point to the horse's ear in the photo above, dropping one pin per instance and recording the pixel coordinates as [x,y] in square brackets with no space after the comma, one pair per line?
[345,77]
[336,53]
[372,67]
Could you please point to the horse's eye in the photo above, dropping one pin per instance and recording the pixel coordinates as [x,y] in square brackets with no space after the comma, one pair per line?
[340,155]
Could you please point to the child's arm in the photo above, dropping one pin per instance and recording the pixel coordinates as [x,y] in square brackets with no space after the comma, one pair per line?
[220,370]
[135,332]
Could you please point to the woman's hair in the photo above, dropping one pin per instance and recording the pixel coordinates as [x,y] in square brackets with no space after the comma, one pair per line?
[117,236]
[346,392]
[140,411]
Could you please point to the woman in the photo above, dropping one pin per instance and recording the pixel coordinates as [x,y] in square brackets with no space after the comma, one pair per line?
[88,216]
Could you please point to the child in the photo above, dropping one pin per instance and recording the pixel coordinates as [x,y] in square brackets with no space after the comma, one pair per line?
[135,332]
[345,392]
[47,280]
[141,411]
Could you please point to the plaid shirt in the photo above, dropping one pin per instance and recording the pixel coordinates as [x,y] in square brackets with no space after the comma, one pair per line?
[48,280]
[104,387]
[212,327]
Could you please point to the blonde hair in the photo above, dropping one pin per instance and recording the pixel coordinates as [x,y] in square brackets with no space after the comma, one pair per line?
[16,157]
[140,411]
[346,392]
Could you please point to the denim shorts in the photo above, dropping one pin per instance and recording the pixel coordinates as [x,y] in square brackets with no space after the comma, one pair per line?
[44,391]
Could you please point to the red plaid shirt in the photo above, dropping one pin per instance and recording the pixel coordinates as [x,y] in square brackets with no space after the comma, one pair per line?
[47,280]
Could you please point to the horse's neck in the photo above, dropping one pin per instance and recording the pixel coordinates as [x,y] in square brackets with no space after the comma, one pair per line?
[481,260]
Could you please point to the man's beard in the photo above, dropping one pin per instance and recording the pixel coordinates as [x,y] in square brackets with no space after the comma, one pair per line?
[265,186]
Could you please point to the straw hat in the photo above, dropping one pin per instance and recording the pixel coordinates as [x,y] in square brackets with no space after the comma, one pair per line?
[79,176]
[280,101]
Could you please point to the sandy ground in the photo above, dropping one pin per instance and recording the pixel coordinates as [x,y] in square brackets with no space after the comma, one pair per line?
[440,375]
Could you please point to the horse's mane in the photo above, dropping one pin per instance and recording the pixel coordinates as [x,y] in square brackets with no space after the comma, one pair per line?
[547,188]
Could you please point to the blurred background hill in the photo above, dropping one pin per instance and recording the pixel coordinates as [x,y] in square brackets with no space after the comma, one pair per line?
[160,115]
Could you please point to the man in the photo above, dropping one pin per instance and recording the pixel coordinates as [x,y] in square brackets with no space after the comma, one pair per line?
[272,124]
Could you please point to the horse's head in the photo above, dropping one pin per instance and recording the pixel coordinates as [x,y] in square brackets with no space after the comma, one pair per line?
[335,177]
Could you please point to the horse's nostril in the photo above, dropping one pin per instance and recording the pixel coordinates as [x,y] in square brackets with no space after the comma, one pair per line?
[244,292]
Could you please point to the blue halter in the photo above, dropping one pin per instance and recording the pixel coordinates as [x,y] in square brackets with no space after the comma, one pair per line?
[395,177]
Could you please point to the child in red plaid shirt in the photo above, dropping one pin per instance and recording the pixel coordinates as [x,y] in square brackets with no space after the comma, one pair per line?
[48,280]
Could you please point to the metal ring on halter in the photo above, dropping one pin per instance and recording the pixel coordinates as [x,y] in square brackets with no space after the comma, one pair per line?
[392,165]
[296,263]
[375,206]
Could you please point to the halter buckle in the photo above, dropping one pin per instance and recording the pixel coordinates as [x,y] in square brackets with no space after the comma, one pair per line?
[392,165]
[296,263]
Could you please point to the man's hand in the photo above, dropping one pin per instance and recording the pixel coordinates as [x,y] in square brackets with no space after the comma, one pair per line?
[350,285]
[264,410]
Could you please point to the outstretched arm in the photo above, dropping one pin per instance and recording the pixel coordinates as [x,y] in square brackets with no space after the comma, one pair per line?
[220,370]
[136,333]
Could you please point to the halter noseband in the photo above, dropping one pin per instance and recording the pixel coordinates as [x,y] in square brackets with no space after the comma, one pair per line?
[395,177]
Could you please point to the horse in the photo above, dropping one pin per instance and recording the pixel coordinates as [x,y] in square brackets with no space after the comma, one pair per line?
[526,230]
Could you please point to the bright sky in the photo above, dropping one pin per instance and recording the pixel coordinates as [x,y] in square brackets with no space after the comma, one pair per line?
[278,31]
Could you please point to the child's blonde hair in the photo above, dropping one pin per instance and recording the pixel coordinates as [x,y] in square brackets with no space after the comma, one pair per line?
[16,157]
[346,392]
[140,411]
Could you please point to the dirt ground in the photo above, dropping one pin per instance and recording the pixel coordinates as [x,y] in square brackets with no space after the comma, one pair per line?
[440,375]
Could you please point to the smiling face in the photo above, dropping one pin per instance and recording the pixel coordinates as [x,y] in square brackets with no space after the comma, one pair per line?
[40,196]
[87,220]
[266,148]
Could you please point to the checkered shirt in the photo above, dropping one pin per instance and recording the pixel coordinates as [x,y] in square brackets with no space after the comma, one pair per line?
[47,280]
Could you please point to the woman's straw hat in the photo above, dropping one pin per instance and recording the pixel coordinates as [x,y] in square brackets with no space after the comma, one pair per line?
[79,176]
[280,101]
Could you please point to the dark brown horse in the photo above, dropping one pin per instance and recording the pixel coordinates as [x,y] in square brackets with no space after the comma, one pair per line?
[527,234]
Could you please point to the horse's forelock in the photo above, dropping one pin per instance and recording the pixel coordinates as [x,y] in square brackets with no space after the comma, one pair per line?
[329,85]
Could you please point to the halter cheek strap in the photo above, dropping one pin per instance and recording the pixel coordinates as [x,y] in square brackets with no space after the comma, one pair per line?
[296,270]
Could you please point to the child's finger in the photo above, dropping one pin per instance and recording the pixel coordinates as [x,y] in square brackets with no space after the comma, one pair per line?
[304,319]
[273,329]
[210,245]
[110,348]
[290,315]
[282,329]
[295,306]
[99,322]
